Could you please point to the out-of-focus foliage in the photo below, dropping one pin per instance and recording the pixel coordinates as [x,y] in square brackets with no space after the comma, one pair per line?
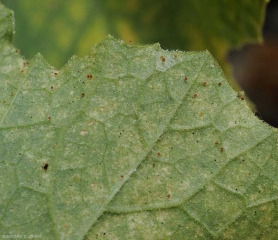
[58,29]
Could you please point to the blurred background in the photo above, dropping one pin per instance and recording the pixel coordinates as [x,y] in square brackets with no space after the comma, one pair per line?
[230,29]
[255,68]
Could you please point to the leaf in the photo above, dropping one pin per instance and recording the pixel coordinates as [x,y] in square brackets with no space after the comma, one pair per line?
[131,142]
[60,29]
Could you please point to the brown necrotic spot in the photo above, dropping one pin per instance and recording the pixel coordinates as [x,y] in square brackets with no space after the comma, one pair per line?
[82,94]
[204,83]
[219,84]
[89,76]
[195,95]
[240,95]
[185,79]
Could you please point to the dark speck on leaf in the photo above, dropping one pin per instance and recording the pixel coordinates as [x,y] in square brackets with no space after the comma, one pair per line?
[45,166]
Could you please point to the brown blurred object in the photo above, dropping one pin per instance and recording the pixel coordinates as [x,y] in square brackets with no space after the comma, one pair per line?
[255,68]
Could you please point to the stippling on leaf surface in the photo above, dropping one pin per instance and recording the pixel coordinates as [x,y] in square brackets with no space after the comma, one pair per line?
[131,142]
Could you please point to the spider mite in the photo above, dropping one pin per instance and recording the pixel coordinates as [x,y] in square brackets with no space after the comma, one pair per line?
[162,58]
[45,166]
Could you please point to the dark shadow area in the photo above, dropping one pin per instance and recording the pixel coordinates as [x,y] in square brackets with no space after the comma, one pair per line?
[255,68]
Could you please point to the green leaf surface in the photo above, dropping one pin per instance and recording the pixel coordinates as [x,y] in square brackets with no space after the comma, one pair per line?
[131,142]
[59,29]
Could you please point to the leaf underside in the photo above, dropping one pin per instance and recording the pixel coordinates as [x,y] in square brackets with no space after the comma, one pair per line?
[131,142]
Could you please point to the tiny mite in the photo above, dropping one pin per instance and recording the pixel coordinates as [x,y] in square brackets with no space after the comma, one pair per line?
[45,166]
